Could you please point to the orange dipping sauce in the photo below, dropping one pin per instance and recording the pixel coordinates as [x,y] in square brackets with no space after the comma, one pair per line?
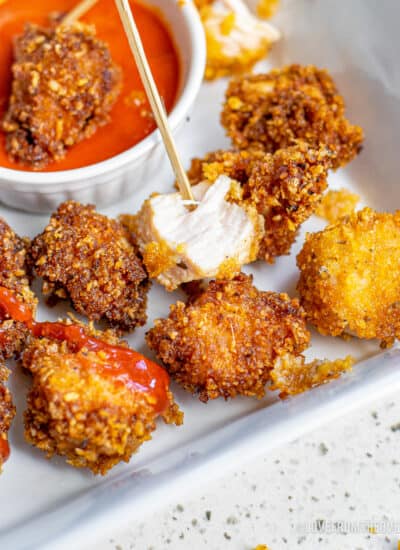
[128,126]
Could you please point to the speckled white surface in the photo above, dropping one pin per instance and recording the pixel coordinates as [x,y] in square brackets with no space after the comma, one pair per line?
[348,470]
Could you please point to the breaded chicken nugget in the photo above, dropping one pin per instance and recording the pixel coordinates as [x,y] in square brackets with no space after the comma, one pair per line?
[88,258]
[64,86]
[13,277]
[84,407]
[224,341]
[7,413]
[270,111]
[349,276]
[285,187]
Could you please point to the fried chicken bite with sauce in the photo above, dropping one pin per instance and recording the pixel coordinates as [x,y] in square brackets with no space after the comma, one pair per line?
[7,413]
[270,111]
[88,409]
[285,187]
[64,86]
[214,240]
[224,341]
[88,258]
[350,276]
[14,280]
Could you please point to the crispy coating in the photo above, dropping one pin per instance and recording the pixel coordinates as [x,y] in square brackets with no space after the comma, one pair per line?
[64,86]
[7,413]
[337,203]
[285,187]
[75,411]
[224,342]
[14,276]
[88,258]
[270,111]
[293,375]
[349,276]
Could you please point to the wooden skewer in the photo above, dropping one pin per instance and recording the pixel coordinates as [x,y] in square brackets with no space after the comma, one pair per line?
[154,98]
[76,13]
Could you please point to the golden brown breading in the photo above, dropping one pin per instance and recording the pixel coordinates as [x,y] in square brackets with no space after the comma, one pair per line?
[350,276]
[88,258]
[64,86]
[337,203]
[7,413]
[293,375]
[285,187]
[13,276]
[270,111]
[77,411]
[224,341]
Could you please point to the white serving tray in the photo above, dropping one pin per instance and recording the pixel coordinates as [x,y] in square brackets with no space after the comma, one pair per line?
[46,504]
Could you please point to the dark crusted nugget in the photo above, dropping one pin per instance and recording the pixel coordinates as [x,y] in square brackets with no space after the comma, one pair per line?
[77,407]
[64,86]
[269,111]
[14,277]
[285,187]
[88,258]
[7,413]
[225,340]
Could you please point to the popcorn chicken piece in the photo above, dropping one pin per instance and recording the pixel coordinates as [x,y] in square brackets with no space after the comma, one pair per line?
[236,39]
[349,276]
[78,407]
[225,340]
[271,111]
[179,245]
[14,277]
[88,258]
[64,86]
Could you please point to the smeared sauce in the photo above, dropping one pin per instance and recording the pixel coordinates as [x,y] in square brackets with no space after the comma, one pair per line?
[120,364]
[14,308]
[131,120]
[123,365]
[4,450]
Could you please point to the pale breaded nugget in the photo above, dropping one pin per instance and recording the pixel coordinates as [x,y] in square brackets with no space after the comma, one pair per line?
[88,258]
[7,413]
[349,276]
[14,276]
[270,111]
[225,340]
[285,187]
[79,408]
[64,86]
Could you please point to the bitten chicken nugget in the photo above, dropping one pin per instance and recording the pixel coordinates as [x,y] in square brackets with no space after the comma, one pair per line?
[224,341]
[89,409]
[270,111]
[349,276]
[88,258]
[64,86]
[285,187]
[7,413]
[13,277]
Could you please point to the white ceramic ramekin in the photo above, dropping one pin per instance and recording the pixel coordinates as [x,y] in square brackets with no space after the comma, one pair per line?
[111,180]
